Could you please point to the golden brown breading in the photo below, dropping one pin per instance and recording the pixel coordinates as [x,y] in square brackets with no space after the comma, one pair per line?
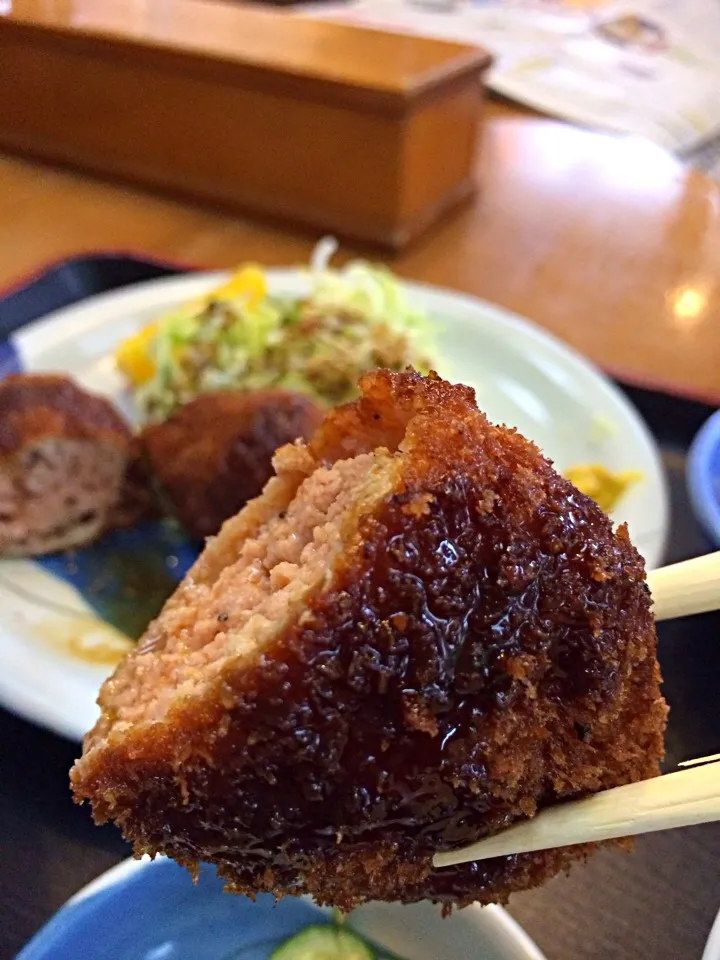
[37,406]
[476,643]
[215,453]
[68,466]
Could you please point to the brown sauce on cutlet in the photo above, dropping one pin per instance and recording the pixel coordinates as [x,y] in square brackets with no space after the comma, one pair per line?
[482,620]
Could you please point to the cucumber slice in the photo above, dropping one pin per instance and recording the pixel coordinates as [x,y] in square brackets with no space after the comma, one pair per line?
[323,941]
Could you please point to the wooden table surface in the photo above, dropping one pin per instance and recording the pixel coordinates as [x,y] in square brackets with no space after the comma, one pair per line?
[610,244]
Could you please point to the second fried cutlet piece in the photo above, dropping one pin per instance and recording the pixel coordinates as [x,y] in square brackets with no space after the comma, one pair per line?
[69,468]
[215,453]
[419,634]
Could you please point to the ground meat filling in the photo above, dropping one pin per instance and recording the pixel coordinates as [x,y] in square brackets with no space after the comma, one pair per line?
[238,612]
[61,490]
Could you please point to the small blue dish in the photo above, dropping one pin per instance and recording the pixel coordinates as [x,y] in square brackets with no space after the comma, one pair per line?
[703,476]
[151,910]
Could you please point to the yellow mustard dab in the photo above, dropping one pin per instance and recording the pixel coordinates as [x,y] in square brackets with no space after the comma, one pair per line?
[604,486]
[133,355]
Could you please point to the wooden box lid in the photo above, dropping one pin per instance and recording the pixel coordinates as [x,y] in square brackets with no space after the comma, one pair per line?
[133,87]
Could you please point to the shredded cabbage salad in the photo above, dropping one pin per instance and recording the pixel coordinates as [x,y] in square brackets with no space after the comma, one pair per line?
[239,336]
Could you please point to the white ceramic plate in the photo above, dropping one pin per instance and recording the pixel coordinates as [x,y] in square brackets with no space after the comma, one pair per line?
[522,377]
[712,947]
[145,910]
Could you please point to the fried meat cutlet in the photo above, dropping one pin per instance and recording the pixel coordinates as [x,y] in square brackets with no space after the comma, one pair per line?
[419,634]
[215,453]
[68,466]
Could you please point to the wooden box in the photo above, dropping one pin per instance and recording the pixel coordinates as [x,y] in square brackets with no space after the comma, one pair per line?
[366,134]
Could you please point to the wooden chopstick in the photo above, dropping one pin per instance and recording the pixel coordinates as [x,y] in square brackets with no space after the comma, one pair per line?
[686,588]
[674,800]
[698,760]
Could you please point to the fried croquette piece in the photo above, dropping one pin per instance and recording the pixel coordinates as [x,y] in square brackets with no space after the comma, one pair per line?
[215,453]
[68,466]
[419,634]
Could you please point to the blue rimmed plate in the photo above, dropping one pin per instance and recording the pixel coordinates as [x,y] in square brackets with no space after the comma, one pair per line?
[150,910]
[55,645]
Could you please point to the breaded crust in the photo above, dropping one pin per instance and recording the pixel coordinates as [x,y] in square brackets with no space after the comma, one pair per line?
[215,453]
[483,647]
[41,406]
